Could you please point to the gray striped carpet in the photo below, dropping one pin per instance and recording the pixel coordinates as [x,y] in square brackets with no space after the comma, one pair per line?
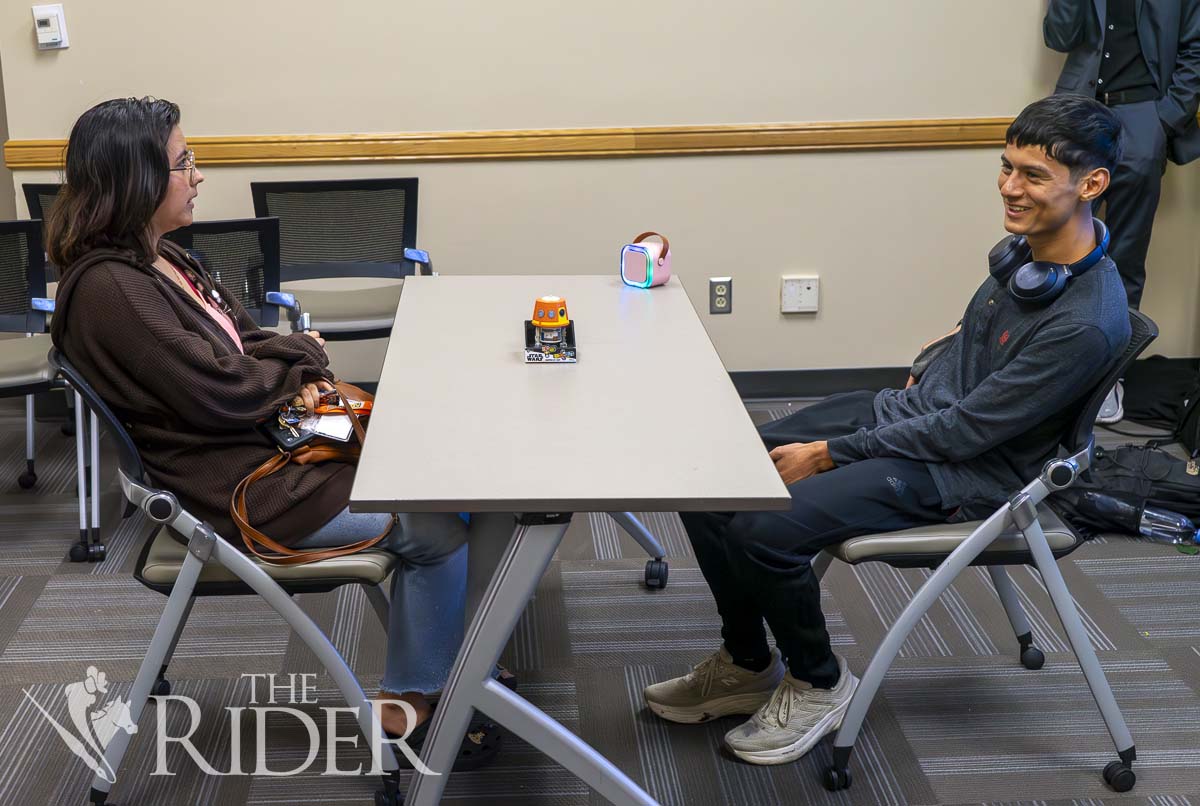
[958,720]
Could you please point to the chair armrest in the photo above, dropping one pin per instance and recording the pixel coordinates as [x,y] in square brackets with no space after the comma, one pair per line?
[421,258]
[300,321]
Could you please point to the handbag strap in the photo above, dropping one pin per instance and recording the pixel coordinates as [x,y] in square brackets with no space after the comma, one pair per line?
[284,555]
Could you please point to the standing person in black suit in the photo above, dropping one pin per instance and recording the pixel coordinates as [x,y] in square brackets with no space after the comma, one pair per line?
[1142,58]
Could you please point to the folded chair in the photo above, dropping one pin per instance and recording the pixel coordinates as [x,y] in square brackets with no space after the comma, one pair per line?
[1025,531]
[185,558]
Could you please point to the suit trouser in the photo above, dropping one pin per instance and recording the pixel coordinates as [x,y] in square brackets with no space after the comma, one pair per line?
[758,563]
[1132,198]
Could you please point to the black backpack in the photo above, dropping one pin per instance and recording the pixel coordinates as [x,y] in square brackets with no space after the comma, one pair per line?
[1165,393]
[1142,475]
[1188,430]
[1155,389]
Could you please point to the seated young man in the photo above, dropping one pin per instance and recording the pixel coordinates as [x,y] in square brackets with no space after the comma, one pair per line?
[987,413]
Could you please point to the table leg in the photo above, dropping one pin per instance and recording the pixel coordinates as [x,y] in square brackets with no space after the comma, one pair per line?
[470,685]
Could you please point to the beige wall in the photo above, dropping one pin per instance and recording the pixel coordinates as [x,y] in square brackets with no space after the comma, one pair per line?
[899,238]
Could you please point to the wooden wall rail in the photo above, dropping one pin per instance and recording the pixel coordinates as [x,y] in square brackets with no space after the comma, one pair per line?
[561,143]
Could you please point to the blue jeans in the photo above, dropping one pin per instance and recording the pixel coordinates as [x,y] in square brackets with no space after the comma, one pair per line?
[429,586]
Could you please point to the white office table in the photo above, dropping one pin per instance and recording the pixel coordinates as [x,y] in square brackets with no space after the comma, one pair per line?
[648,420]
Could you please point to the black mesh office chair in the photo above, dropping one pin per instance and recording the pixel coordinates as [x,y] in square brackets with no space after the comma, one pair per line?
[345,228]
[23,309]
[39,198]
[1025,531]
[25,371]
[184,558]
[243,255]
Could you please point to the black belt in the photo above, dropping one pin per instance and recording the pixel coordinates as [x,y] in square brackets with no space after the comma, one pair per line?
[1132,96]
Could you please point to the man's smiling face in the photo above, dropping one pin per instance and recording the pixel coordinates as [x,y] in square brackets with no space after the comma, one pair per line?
[1038,192]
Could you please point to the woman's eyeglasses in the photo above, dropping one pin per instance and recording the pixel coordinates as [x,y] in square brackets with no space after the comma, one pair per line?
[187,163]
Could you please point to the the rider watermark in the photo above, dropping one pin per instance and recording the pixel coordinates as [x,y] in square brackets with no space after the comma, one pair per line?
[95,726]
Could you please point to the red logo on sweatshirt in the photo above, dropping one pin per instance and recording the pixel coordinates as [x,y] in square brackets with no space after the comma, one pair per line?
[1004,338]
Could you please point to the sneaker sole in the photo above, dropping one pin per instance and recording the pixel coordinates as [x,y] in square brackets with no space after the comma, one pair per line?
[791,752]
[732,705]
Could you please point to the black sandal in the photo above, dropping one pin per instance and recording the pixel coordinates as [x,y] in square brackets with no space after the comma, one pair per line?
[479,747]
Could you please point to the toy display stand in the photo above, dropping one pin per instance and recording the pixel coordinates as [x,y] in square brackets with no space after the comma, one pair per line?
[539,352]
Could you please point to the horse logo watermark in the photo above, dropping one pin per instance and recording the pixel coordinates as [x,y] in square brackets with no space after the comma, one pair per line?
[94,727]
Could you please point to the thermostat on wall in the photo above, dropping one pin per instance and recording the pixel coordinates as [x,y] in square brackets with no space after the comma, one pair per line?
[51,26]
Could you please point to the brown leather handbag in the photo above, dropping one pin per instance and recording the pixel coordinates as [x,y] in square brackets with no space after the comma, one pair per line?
[317,450]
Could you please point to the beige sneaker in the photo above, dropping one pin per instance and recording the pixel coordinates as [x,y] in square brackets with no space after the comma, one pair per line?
[793,721]
[714,688]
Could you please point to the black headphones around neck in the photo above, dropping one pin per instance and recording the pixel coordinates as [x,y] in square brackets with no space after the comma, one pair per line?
[1037,281]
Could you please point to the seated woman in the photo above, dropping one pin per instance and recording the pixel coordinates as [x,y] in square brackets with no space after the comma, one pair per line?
[182,364]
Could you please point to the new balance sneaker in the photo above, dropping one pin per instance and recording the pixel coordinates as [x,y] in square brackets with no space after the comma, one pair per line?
[1113,408]
[795,718]
[715,687]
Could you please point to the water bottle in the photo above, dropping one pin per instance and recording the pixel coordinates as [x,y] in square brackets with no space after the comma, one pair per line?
[1157,524]
[1168,527]
[1115,513]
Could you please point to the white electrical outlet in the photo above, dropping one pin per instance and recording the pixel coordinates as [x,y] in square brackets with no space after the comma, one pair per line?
[799,294]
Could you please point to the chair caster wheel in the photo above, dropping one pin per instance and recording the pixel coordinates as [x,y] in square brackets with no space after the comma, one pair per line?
[96,553]
[67,429]
[1032,658]
[26,480]
[836,779]
[98,798]
[161,687]
[656,574]
[1118,776]
[79,553]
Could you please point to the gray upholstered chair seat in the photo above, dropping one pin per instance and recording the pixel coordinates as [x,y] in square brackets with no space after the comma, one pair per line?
[940,539]
[369,307]
[166,554]
[23,361]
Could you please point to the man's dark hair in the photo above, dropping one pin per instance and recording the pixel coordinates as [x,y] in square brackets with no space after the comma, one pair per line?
[116,176]
[1080,132]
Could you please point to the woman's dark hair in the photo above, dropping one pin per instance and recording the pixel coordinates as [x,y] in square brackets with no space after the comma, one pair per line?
[116,177]
[1080,132]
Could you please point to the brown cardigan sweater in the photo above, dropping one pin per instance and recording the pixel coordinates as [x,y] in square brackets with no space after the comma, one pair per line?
[189,399]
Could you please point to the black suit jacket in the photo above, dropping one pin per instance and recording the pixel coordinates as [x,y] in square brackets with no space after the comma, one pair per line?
[1169,33]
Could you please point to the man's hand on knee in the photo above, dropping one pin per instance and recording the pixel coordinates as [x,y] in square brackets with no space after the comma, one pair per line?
[800,460]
